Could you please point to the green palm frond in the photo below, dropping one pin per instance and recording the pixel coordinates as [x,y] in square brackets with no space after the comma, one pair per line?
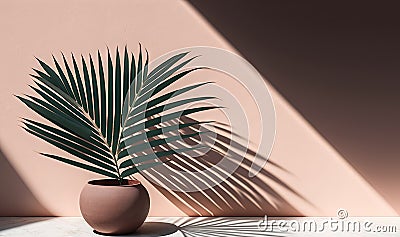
[100,114]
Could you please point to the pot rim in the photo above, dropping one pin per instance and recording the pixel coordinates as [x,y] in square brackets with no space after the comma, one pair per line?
[114,182]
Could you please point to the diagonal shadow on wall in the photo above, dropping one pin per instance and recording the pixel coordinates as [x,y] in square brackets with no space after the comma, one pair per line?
[336,63]
[16,198]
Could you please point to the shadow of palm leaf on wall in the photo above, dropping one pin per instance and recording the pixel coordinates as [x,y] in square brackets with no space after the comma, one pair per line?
[238,195]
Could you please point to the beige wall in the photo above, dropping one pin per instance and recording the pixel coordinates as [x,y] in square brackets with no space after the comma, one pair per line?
[306,176]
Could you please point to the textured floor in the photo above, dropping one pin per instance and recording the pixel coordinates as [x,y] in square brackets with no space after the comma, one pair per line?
[208,226]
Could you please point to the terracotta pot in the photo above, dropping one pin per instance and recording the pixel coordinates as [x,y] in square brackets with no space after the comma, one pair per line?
[111,208]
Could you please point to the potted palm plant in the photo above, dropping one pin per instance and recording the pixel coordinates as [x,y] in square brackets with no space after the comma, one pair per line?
[102,115]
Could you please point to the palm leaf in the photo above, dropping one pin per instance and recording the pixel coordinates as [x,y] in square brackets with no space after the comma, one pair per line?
[81,165]
[88,90]
[110,99]
[66,146]
[72,81]
[103,97]
[100,114]
[165,65]
[63,78]
[154,143]
[117,102]
[95,89]
[60,104]
[71,110]
[126,83]
[57,117]
[165,118]
[132,140]
[83,145]
[80,84]
[53,76]
[156,155]
[162,108]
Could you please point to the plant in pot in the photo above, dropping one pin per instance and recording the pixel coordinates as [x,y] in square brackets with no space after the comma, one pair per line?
[100,115]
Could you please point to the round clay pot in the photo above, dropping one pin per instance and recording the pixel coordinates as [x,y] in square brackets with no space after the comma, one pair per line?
[111,208]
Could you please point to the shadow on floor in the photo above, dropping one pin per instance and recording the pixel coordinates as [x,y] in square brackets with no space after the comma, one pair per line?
[223,227]
[152,229]
[204,226]
[13,222]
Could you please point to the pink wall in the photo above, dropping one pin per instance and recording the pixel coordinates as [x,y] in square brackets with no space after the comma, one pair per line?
[306,176]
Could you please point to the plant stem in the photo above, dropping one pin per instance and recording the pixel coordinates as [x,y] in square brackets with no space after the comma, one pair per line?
[100,135]
[119,174]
